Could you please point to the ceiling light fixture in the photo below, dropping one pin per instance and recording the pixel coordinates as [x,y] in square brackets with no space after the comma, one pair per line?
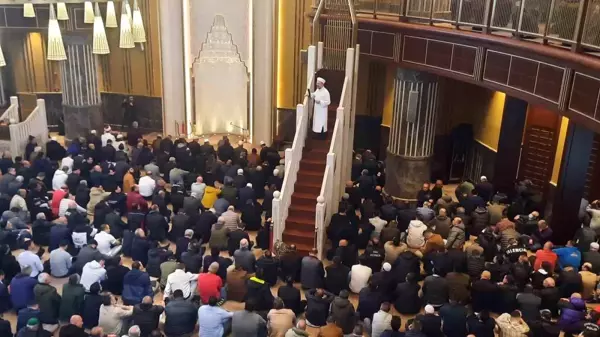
[126,38]
[56,48]
[61,11]
[88,16]
[100,43]
[111,15]
[28,11]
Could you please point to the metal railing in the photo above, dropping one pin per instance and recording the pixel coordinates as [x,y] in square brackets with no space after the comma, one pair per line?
[282,199]
[574,23]
[12,112]
[35,125]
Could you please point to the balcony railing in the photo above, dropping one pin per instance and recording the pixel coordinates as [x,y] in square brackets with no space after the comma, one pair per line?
[573,24]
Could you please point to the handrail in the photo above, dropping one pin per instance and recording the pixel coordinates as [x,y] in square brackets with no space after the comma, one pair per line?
[571,22]
[36,124]
[12,112]
[315,23]
[282,199]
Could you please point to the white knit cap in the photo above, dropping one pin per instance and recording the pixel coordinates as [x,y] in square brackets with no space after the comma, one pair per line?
[387,266]
[320,80]
[262,142]
[429,309]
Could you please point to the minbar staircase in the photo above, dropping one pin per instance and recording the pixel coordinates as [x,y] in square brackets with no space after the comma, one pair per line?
[300,223]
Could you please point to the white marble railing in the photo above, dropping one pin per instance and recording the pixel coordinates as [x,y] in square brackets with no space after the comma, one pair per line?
[12,112]
[282,199]
[35,125]
[333,181]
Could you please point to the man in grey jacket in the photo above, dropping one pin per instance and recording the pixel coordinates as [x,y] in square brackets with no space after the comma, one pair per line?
[312,274]
[244,258]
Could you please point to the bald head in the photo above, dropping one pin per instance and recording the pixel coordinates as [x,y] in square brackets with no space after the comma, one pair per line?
[301,324]
[76,320]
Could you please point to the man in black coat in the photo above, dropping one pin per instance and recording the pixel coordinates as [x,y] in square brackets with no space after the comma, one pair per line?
[204,224]
[348,253]
[115,273]
[108,151]
[484,293]
[485,189]
[73,180]
[156,224]
[336,278]
[259,290]
[269,266]
[318,302]
[181,316]
[146,316]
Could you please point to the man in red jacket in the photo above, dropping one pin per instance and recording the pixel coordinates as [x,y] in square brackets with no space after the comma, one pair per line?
[134,197]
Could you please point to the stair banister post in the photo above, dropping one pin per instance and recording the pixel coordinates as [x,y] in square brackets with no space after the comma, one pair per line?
[276,217]
[319,225]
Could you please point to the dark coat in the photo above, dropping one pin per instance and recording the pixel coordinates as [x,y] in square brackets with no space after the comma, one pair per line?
[91,310]
[291,298]
[136,285]
[146,316]
[484,293]
[259,291]
[337,278]
[369,302]
[114,279]
[407,262]
[317,308]
[157,225]
[48,299]
[181,317]
[343,313]
[269,266]
[407,301]
[139,249]
[72,301]
[156,256]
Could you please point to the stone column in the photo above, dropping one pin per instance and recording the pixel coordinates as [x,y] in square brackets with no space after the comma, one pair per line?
[171,51]
[80,94]
[412,133]
[264,15]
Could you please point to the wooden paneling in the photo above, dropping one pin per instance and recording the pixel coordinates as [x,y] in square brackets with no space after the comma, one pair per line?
[539,146]
[555,78]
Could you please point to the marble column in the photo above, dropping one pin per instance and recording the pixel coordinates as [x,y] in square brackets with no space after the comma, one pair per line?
[412,133]
[264,14]
[80,93]
[171,51]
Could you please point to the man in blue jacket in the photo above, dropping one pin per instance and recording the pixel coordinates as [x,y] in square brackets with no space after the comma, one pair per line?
[21,290]
[568,256]
[136,285]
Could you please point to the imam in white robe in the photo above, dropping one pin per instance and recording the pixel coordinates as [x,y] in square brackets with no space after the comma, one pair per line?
[320,112]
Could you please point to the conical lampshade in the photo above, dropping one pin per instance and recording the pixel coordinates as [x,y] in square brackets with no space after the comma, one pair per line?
[88,14]
[61,11]
[139,34]
[126,38]
[100,43]
[111,15]
[2,60]
[28,11]
[56,48]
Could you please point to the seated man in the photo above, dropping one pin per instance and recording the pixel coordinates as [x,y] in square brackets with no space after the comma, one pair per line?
[213,320]
[107,244]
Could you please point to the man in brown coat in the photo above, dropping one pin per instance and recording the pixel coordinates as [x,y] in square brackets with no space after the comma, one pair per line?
[331,329]
[236,284]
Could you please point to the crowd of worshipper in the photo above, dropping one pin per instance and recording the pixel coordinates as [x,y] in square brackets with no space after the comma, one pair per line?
[481,265]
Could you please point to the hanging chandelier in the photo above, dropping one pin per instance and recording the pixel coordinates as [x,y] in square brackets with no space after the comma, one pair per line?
[139,34]
[88,16]
[100,43]
[61,11]
[126,37]
[111,15]
[56,48]
[28,11]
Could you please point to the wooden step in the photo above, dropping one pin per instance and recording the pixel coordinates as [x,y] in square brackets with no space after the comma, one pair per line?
[305,199]
[312,165]
[299,236]
[307,187]
[309,176]
[306,211]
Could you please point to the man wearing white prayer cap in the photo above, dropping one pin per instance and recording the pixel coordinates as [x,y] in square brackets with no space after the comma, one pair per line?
[485,189]
[322,100]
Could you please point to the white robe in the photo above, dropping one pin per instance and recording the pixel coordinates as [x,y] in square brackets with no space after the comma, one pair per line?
[320,112]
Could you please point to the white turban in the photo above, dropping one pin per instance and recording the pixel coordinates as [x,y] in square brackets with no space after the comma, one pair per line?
[320,80]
